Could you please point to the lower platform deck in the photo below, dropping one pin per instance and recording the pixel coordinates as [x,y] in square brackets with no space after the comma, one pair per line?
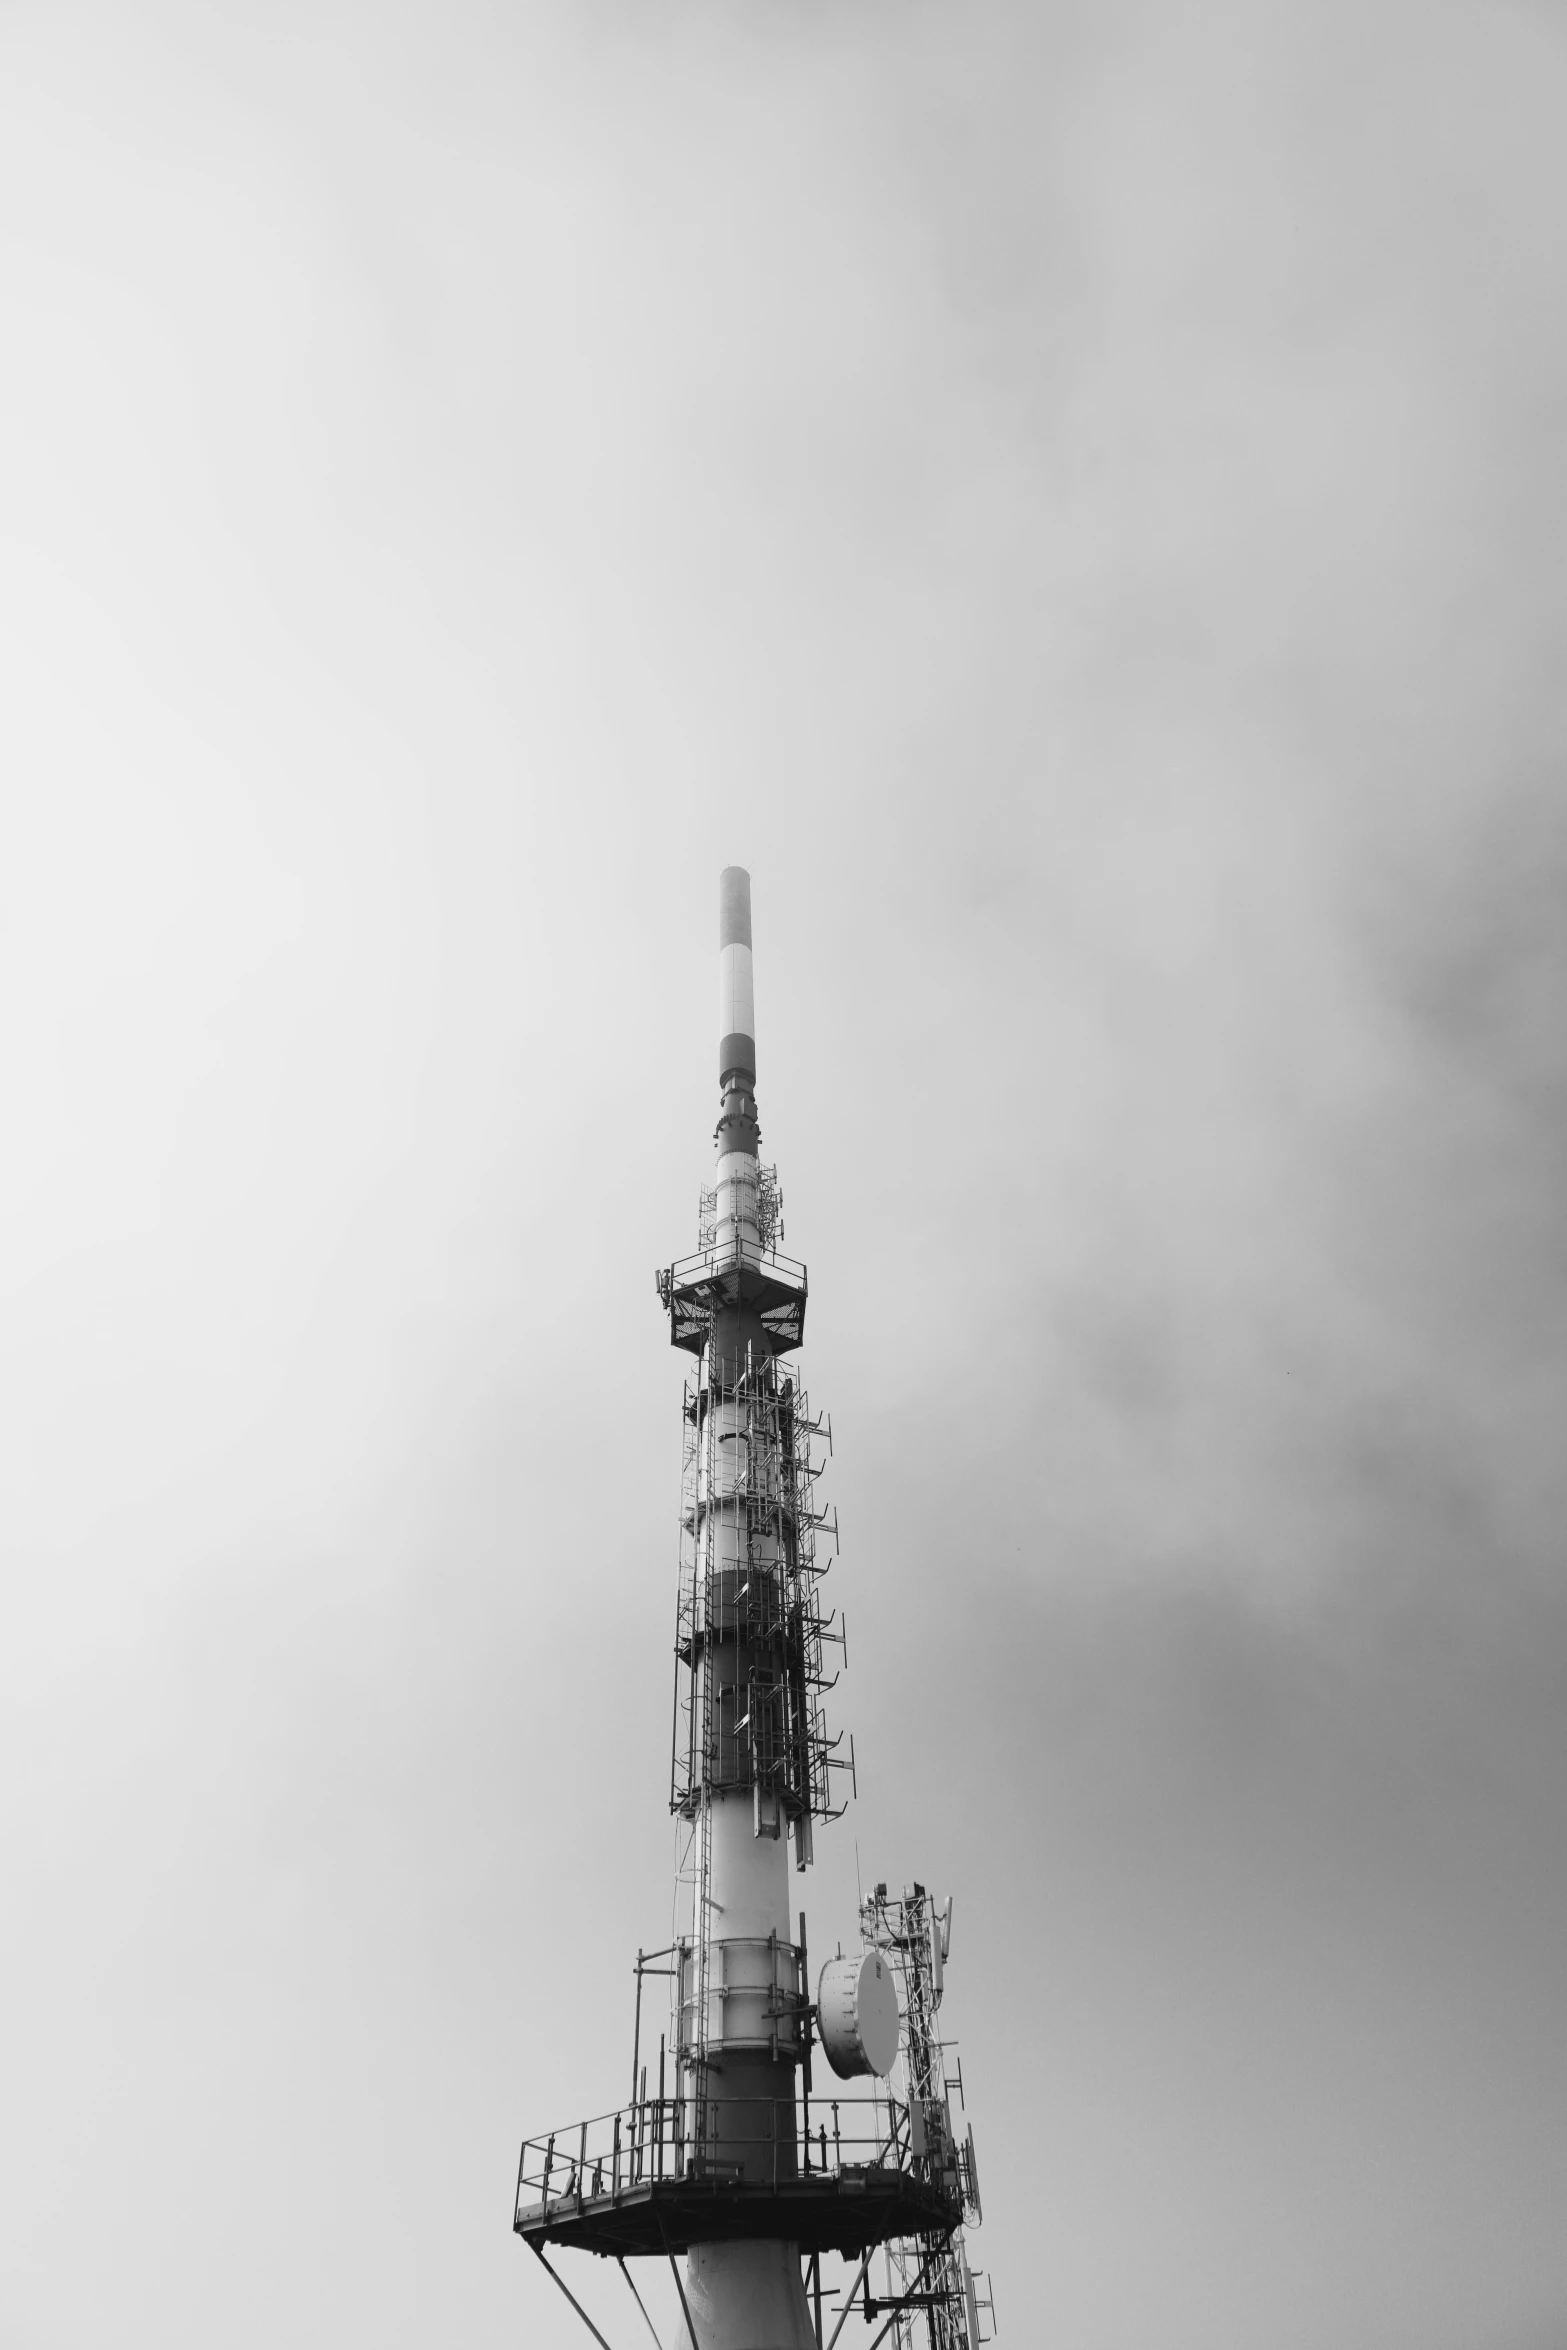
[845,2211]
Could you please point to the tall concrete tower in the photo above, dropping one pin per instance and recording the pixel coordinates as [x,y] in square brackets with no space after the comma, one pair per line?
[722,2157]
[747,1706]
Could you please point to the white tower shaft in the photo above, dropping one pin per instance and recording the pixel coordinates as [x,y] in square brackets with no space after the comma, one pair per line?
[739,2082]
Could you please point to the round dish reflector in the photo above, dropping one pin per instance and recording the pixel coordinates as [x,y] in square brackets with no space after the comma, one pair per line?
[857,2014]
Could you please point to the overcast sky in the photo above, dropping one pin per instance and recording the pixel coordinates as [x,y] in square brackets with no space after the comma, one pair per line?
[1073,499]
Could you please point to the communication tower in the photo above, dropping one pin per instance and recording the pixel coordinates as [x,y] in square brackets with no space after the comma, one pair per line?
[730,2153]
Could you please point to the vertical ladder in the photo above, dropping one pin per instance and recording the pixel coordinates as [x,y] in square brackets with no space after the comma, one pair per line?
[702,1901]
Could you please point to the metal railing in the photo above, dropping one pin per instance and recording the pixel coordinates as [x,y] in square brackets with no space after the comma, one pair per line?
[727,1252]
[654,2140]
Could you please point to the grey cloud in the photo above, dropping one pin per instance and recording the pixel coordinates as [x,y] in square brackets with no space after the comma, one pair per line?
[1073,501]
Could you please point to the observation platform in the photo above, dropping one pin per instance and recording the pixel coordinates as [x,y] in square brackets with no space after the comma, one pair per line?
[627,2183]
[736,1274]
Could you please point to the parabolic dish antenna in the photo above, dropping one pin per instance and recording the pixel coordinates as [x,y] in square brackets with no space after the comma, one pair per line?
[857,2014]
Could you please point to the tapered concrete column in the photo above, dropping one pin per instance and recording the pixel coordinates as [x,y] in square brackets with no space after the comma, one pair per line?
[748,2297]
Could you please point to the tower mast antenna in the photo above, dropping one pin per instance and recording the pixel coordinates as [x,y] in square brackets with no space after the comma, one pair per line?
[722,2160]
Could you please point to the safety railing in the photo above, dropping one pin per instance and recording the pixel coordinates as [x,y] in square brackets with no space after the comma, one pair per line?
[655,2140]
[724,1256]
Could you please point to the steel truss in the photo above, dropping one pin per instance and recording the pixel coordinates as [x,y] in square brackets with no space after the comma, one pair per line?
[932,2293]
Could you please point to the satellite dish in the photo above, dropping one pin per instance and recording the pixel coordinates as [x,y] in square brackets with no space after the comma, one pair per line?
[857,2015]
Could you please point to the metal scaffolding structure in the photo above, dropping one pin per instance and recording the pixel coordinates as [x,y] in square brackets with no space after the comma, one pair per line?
[768,1737]
[930,2284]
[750,1673]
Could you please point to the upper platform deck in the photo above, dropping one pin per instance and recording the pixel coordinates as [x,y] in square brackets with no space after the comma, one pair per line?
[734,1274]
